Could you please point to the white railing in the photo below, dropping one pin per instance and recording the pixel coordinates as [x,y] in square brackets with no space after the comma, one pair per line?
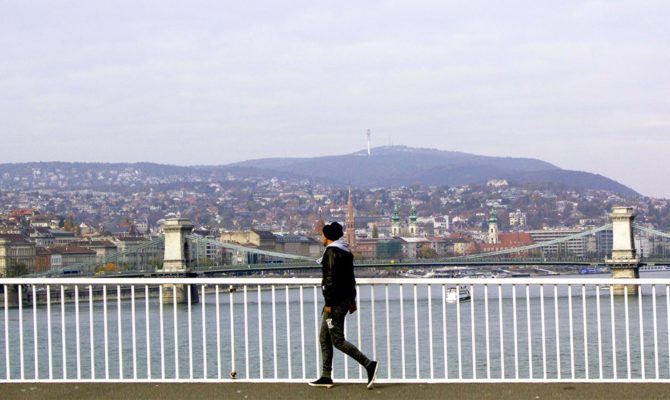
[266,329]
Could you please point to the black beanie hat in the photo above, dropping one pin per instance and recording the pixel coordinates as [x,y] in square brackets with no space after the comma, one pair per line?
[333,231]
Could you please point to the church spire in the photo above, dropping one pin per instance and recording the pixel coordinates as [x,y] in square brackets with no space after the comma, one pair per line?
[493,229]
[412,222]
[351,223]
[395,222]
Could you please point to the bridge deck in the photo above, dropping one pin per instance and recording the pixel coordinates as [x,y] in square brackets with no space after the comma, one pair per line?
[199,391]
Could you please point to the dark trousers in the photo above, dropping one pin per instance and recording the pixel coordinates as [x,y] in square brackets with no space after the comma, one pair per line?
[332,334]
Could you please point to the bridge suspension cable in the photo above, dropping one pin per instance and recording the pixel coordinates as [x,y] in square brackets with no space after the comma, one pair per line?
[652,231]
[114,257]
[536,245]
[240,248]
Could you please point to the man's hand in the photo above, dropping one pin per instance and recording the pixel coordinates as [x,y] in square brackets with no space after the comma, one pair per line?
[352,308]
[327,309]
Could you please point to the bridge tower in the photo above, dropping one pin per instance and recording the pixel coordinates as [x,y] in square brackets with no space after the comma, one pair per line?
[624,262]
[177,250]
[176,259]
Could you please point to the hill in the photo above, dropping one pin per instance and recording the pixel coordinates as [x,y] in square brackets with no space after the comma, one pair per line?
[401,165]
[390,166]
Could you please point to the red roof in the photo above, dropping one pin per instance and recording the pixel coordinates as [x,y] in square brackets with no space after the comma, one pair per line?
[507,241]
[95,243]
[515,239]
[14,238]
[22,212]
[71,250]
[42,251]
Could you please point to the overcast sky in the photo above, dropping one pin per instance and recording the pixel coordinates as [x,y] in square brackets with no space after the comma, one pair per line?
[581,84]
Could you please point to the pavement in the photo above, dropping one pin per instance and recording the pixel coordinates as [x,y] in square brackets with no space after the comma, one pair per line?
[382,391]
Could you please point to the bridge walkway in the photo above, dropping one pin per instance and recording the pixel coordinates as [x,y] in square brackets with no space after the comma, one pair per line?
[385,391]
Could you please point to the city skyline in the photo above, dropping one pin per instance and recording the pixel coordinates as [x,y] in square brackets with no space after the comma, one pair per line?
[578,84]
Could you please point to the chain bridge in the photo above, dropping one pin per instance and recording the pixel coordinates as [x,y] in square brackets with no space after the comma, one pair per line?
[179,251]
[156,315]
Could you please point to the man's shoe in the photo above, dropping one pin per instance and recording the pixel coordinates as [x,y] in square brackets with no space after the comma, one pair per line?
[372,373]
[322,382]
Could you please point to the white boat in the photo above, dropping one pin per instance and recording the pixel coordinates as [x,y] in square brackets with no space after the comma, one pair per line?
[456,294]
[413,273]
[452,272]
[439,274]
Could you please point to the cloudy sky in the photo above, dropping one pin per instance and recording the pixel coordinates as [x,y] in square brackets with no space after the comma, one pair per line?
[581,84]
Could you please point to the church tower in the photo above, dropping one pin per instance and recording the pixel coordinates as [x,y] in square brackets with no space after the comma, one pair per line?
[351,223]
[413,228]
[493,229]
[395,222]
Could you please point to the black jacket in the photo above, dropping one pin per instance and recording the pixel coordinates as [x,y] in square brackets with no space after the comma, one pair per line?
[338,283]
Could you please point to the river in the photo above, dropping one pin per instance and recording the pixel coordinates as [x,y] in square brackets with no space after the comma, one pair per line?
[567,339]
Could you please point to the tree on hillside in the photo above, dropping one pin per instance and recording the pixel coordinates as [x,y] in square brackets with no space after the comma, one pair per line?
[68,225]
[426,251]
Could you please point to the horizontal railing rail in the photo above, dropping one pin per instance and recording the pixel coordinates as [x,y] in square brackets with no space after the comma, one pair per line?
[266,329]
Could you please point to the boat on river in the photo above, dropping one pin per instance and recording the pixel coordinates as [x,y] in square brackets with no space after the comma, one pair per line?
[415,273]
[599,269]
[457,294]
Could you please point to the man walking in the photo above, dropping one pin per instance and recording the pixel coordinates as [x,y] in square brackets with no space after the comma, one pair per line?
[339,294]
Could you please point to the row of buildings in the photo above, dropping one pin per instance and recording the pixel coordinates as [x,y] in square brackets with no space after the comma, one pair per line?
[405,241]
[43,245]
[21,254]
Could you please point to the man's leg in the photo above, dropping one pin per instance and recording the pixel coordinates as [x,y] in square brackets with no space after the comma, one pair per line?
[326,354]
[326,345]
[336,330]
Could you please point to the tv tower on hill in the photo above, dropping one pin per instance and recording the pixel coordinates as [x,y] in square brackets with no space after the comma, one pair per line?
[369,134]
